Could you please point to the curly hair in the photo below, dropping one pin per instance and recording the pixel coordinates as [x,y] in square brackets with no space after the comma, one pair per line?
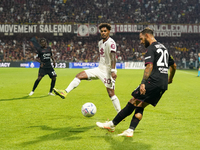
[107,25]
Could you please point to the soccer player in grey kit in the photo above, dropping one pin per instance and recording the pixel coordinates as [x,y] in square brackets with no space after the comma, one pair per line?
[106,71]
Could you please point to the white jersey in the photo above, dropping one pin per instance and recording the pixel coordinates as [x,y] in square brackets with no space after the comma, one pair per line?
[105,53]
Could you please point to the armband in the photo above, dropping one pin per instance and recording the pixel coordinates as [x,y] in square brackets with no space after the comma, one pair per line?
[143,81]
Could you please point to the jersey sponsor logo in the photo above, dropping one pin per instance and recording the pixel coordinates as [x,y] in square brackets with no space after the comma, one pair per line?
[101,51]
[47,56]
[163,70]
[113,46]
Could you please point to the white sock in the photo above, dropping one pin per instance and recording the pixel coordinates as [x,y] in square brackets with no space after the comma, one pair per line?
[116,103]
[73,85]
[112,124]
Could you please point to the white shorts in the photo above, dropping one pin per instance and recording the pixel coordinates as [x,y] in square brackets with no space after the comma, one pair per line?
[104,76]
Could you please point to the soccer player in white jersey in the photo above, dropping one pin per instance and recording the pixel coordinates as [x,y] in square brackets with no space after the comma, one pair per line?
[106,71]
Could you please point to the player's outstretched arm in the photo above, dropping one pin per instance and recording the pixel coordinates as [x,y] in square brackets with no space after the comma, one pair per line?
[34,42]
[172,73]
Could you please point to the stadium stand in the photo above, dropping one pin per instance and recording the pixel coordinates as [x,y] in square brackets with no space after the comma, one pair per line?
[77,49]
[93,11]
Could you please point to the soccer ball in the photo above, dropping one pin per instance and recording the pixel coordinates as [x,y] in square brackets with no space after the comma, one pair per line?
[88,109]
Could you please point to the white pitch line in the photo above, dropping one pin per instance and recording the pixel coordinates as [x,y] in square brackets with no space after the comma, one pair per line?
[187,72]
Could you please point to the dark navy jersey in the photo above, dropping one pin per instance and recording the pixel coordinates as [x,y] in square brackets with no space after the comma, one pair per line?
[44,54]
[158,55]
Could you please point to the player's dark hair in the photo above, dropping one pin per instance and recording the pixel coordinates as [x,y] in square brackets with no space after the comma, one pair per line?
[147,30]
[42,39]
[107,25]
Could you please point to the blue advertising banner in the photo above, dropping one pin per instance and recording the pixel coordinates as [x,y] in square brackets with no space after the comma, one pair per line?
[120,65]
[30,64]
[91,65]
[24,64]
[82,65]
[37,65]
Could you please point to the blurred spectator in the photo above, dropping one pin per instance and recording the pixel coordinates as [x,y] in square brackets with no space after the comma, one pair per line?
[76,49]
[97,11]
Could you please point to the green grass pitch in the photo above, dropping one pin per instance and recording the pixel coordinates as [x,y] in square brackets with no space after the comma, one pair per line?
[43,122]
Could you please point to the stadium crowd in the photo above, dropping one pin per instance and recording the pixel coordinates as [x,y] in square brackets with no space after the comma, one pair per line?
[97,11]
[76,49]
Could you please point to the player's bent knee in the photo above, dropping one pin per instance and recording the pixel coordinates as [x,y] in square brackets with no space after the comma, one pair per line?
[133,101]
[139,112]
[82,75]
[78,75]
[138,116]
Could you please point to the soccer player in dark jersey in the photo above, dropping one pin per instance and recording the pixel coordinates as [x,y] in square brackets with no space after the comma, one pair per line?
[44,58]
[154,83]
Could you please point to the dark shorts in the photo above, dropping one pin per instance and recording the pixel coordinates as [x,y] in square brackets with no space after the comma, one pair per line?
[49,71]
[152,95]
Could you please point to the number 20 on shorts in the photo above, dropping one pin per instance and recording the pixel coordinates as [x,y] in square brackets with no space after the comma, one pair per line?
[108,81]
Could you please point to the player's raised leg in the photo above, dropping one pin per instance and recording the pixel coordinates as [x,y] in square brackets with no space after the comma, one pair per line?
[74,83]
[61,93]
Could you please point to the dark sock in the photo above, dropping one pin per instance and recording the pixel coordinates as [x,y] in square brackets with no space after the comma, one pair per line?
[52,85]
[36,84]
[126,111]
[135,121]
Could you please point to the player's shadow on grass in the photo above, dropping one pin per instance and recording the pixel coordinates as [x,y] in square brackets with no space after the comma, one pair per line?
[23,97]
[128,143]
[61,133]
